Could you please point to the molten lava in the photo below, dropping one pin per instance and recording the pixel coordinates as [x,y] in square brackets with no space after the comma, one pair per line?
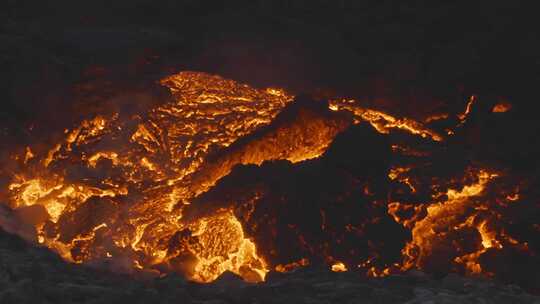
[145,192]
[114,189]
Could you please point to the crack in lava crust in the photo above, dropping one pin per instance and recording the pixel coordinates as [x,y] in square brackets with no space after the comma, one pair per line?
[112,191]
[115,190]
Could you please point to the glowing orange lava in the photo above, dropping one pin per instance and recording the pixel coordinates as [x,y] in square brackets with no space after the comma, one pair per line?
[114,190]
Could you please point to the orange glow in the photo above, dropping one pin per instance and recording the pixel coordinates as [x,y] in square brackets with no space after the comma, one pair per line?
[292,266]
[452,215]
[501,107]
[468,108]
[513,197]
[158,160]
[118,189]
[339,267]
[222,247]
[383,122]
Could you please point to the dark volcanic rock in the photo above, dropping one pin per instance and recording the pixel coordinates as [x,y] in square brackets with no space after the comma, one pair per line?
[31,275]
[338,197]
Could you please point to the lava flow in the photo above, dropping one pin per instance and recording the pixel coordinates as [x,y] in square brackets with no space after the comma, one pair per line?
[225,177]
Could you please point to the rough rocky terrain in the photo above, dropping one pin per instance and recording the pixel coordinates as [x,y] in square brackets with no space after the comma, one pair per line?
[35,275]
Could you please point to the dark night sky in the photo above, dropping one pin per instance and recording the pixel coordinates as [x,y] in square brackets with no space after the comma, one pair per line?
[412,52]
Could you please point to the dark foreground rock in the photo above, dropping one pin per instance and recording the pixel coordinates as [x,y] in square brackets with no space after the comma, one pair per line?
[35,275]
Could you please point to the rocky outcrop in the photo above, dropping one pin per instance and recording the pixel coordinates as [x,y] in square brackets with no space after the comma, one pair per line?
[35,275]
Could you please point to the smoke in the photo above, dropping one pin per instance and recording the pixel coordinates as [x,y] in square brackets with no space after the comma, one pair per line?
[10,222]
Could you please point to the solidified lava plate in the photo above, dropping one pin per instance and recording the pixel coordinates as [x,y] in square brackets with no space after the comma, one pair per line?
[225,177]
